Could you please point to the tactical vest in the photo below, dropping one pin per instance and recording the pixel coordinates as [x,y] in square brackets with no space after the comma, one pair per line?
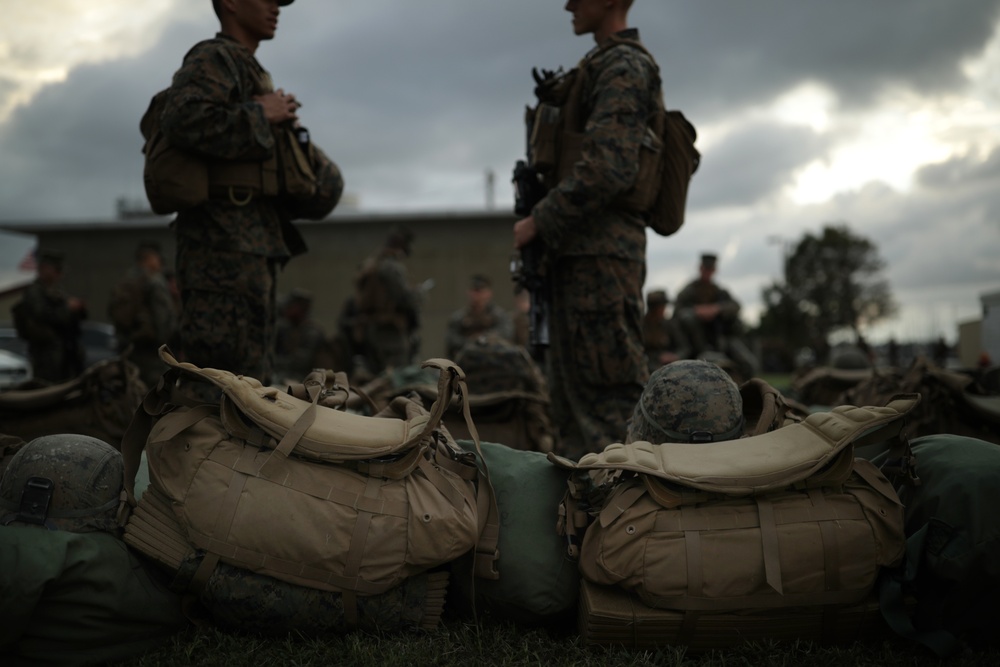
[667,157]
[176,180]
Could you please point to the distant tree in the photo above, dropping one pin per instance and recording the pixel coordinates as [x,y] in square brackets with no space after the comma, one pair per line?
[831,281]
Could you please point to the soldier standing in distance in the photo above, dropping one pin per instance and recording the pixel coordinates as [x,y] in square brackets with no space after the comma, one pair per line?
[481,315]
[222,107]
[595,247]
[300,344]
[49,320]
[143,312]
[381,321]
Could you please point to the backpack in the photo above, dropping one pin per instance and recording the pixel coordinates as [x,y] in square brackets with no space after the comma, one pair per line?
[944,595]
[667,157]
[302,491]
[783,521]
[99,403]
[953,401]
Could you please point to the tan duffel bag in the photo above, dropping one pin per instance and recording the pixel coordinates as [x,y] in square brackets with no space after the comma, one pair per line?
[301,492]
[785,519]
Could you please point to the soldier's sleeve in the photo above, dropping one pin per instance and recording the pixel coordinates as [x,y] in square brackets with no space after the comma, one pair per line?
[207,111]
[505,324]
[609,162]
[679,340]
[685,300]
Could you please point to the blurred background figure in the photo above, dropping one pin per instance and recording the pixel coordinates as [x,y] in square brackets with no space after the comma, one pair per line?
[663,337]
[710,317]
[48,319]
[300,344]
[144,312]
[480,315]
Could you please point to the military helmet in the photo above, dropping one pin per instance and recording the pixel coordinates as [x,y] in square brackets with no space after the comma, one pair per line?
[688,401]
[64,482]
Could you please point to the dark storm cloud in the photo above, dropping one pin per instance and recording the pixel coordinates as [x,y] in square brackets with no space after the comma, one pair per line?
[756,159]
[408,97]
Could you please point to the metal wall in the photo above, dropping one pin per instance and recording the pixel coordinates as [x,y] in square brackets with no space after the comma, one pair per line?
[447,248]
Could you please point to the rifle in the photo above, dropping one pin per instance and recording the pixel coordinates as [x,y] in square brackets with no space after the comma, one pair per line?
[526,269]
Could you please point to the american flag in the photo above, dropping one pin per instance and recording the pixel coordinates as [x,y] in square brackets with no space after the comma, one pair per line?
[30,261]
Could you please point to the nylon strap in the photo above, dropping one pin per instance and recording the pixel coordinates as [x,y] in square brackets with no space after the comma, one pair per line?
[769,544]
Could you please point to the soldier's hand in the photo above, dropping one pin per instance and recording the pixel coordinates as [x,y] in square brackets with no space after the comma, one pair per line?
[75,304]
[525,231]
[278,107]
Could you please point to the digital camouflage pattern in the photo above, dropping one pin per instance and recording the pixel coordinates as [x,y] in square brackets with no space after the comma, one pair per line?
[578,216]
[596,362]
[43,319]
[596,253]
[87,475]
[143,313]
[238,599]
[464,324]
[228,254]
[381,322]
[492,364]
[688,401]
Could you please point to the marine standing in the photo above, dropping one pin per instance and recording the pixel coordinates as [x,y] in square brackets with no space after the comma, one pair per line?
[595,245]
[142,309]
[49,320]
[222,106]
[381,321]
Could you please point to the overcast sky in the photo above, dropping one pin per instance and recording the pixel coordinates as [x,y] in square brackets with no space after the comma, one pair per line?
[880,114]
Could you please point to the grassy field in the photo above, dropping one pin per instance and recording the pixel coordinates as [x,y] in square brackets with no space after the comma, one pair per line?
[463,643]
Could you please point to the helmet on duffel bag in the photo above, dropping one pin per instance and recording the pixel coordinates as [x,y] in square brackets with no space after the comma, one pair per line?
[64,482]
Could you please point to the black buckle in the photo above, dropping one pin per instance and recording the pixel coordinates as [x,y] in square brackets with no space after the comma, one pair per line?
[701,437]
[35,500]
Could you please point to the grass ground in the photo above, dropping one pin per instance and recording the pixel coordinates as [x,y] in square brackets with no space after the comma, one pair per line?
[463,644]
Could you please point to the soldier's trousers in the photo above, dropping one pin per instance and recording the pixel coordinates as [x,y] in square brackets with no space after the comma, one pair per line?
[596,361]
[227,310]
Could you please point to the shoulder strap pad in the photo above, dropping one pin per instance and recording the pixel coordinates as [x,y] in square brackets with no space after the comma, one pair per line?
[764,462]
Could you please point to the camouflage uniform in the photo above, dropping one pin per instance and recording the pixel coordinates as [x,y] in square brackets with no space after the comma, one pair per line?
[228,254]
[299,348]
[383,319]
[142,310]
[465,324]
[596,254]
[723,333]
[52,331]
[661,335]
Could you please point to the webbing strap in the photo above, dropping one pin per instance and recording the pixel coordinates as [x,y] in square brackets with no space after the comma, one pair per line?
[695,571]
[755,601]
[291,438]
[769,544]
[831,550]
[356,551]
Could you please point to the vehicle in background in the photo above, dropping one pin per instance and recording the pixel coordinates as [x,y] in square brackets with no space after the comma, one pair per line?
[14,369]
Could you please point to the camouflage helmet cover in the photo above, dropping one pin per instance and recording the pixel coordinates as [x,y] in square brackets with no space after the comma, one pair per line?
[688,401]
[65,482]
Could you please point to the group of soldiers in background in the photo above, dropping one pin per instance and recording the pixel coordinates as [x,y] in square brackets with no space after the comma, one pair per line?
[705,324]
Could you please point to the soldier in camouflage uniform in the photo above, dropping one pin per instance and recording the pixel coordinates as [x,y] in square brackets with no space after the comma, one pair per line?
[142,310]
[300,343]
[381,321]
[595,247]
[481,315]
[710,317]
[691,401]
[663,337]
[49,320]
[222,106]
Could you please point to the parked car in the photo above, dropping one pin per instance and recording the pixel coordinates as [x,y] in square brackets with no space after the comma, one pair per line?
[14,369]
[98,339]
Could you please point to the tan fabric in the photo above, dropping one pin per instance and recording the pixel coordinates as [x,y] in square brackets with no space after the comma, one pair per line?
[784,519]
[254,485]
